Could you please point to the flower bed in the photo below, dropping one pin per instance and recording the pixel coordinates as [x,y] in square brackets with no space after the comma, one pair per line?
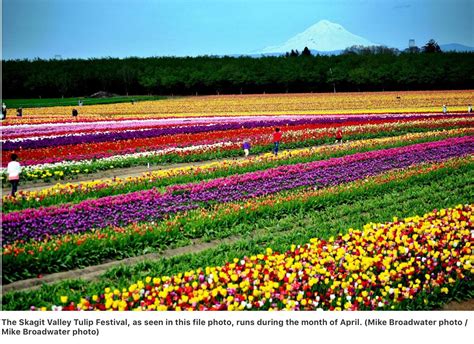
[62,193]
[84,146]
[382,266]
[152,205]
[273,104]
[388,165]
[195,128]
[69,161]
[418,188]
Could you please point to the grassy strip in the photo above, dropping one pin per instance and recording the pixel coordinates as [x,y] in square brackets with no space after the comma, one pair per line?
[50,102]
[321,218]
[224,171]
[109,244]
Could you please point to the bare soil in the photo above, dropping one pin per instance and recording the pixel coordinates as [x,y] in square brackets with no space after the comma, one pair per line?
[459,306]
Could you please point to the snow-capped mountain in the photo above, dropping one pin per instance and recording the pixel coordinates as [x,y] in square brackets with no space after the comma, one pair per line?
[456,47]
[322,36]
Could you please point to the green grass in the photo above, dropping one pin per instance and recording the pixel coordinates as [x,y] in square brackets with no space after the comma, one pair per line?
[48,102]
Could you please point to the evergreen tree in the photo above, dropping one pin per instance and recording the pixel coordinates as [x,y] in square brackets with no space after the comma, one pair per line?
[306,52]
[431,47]
[294,53]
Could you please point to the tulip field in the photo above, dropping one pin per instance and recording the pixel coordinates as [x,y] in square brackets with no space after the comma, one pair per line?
[160,199]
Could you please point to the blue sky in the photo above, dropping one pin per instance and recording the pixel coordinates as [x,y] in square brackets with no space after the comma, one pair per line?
[121,28]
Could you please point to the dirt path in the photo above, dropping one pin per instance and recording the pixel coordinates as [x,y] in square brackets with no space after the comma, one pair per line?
[122,173]
[459,306]
[92,273]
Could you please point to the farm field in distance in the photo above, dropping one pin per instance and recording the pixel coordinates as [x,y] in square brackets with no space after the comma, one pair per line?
[50,102]
[270,104]
[154,206]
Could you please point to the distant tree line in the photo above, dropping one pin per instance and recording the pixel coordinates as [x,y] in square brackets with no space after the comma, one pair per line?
[356,69]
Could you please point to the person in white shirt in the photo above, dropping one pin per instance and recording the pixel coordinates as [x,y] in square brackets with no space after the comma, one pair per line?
[14,170]
[4,111]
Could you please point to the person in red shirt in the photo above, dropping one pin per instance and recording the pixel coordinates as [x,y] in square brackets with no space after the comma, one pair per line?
[276,140]
[339,135]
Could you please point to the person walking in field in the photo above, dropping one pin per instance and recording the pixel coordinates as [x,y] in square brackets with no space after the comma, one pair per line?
[246,147]
[14,170]
[445,109]
[338,135]
[4,111]
[469,109]
[276,141]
